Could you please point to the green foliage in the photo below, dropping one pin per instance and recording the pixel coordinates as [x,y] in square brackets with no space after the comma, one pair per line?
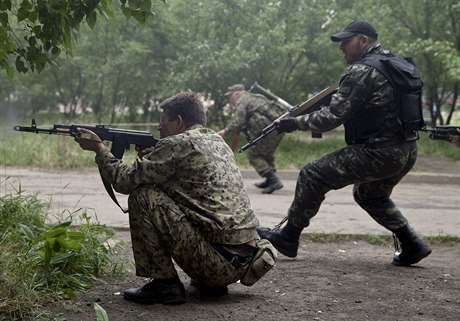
[244,41]
[101,315]
[36,32]
[40,261]
[442,53]
[121,69]
[428,31]
[441,149]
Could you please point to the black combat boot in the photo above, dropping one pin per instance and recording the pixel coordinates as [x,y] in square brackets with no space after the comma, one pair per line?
[166,291]
[262,184]
[273,182]
[285,240]
[413,248]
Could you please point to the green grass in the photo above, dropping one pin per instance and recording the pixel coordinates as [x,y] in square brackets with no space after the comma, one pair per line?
[42,262]
[443,149]
[375,239]
[49,151]
[296,149]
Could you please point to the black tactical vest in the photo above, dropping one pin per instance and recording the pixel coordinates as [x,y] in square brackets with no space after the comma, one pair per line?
[405,115]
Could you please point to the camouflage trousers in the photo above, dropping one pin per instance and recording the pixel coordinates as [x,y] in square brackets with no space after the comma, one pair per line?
[262,155]
[161,233]
[374,172]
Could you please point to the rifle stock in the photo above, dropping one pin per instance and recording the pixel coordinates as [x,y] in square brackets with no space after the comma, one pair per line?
[312,104]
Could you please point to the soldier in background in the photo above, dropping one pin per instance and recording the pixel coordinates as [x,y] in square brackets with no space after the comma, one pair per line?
[253,113]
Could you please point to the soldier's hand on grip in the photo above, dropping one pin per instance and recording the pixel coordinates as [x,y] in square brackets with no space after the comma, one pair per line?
[286,125]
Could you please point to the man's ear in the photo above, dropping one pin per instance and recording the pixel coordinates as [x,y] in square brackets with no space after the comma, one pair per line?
[365,41]
[181,124]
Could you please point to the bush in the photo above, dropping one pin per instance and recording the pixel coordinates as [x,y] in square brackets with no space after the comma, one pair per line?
[40,262]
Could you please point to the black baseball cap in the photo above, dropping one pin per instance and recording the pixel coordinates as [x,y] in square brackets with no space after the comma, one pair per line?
[354,28]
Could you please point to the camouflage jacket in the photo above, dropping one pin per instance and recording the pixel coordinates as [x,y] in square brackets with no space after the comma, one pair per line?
[253,113]
[197,170]
[363,104]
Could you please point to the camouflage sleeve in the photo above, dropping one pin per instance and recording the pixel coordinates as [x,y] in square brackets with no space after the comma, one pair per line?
[356,85]
[239,120]
[154,168]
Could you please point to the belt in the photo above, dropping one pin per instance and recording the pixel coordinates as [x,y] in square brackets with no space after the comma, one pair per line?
[389,141]
[238,255]
[385,143]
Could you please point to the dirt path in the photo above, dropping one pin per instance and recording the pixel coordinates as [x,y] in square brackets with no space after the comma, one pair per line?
[340,280]
[336,280]
[428,199]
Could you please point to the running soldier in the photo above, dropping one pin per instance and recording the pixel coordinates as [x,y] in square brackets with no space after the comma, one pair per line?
[379,153]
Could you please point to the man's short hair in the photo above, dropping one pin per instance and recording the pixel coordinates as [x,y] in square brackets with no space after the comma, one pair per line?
[355,28]
[187,105]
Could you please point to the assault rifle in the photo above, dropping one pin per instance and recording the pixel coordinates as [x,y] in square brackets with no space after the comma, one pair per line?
[442,132]
[312,104]
[121,138]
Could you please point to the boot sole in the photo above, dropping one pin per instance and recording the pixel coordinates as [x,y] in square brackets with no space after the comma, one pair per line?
[283,250]
[261,187]
[274,188]
[413,260]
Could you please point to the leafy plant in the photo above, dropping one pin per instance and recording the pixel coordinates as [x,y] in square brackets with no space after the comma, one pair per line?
[49,28]
[101,315]
[40,261]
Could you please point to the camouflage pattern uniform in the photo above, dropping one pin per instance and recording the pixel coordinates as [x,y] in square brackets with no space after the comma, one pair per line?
[253,113]
[185,195]
[376,157]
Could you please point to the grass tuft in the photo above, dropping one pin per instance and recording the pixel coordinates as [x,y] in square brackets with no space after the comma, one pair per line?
[42,262]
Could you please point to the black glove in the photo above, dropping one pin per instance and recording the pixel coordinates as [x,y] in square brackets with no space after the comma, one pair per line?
[287,125]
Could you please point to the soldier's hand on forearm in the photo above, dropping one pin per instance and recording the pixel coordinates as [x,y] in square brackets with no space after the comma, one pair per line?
[88,140]
[286,125]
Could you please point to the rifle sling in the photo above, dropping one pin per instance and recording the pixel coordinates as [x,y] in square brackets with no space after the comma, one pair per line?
[109,189]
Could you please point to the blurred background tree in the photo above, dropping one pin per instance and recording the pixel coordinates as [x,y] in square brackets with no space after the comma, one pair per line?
[118,70]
